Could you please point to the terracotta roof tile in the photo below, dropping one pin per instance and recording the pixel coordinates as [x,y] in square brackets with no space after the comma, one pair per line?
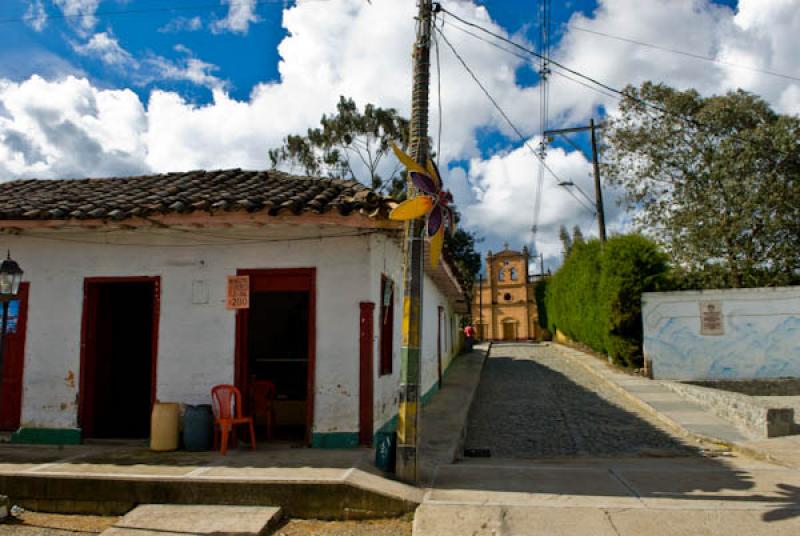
[210,191]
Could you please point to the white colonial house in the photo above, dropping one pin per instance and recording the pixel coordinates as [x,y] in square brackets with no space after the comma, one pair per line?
[124,302]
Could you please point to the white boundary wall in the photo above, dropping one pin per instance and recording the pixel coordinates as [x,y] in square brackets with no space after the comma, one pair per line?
[756,336]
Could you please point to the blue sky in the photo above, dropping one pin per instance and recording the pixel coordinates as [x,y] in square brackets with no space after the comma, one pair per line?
[163,85]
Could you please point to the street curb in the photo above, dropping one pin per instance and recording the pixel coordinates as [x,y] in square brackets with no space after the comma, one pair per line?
[463,437]
[670,423]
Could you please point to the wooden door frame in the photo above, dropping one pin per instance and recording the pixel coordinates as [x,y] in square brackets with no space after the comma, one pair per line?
[21,336]
[280,280]
[85,409]
[366,373]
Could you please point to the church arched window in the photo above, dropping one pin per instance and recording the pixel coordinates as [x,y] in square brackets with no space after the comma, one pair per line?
[501,275]
[513,274]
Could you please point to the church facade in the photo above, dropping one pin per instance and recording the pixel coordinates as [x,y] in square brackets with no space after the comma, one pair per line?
[504,304]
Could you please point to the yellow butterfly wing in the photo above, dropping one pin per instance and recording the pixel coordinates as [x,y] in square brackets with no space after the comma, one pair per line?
[407,161]
[412,208]
[436,243]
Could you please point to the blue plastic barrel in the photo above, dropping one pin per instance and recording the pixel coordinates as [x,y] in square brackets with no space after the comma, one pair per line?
[198,427]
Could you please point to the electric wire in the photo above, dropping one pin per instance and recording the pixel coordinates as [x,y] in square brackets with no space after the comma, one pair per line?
[685,53]
[505,115]
[510,123]
[544,109]
[643,102]
[138,11]
[439,94]
[227,243]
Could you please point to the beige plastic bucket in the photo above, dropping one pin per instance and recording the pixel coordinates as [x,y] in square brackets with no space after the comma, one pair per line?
[164,426]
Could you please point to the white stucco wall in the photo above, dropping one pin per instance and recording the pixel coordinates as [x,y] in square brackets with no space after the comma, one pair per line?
[760,334]
[196,341]
[387,258]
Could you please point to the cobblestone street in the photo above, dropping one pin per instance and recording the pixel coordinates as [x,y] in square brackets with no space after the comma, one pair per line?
[531,404]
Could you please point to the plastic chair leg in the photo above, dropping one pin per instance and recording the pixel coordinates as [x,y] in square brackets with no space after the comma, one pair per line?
[224,447]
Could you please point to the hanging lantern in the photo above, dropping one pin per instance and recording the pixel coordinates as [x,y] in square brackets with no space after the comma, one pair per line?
[10,277]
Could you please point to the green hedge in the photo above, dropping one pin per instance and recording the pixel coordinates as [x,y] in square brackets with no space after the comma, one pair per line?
[595,297]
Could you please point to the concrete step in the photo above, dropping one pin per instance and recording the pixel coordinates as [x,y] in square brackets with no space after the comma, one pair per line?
[195,519]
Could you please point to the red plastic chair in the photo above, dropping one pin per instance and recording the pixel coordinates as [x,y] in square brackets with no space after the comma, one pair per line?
[262,397]
[226,401]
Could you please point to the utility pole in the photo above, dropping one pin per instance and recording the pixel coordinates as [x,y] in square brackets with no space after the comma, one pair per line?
[413,255]
[541,264]
[598,190]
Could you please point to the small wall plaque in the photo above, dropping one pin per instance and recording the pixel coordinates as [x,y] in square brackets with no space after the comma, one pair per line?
[238,296]
[711,319]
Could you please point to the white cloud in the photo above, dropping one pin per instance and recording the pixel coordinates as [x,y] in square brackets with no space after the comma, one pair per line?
[350,47]
[106,48]
[188,69]
[35,16]
[70,129]
[182,24]
[241,13]
[79,13]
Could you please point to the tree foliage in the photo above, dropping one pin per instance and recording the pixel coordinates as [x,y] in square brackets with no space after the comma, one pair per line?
[720,191]
[595,297]
[350,143]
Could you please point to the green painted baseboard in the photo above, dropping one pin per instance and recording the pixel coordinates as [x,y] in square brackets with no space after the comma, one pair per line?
[391,425]
[334,440]
[47,436]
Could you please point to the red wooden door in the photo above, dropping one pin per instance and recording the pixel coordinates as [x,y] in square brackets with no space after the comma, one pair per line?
[365,374]
[278,280]
[13,361]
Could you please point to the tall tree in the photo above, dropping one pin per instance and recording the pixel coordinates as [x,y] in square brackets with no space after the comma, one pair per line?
[566,240]
[350,143]
[715,180]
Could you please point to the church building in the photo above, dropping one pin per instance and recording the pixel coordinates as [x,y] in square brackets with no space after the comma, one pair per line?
[504,304]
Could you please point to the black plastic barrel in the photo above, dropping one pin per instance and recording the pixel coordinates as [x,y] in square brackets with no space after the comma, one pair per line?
[198,427]
[385,447]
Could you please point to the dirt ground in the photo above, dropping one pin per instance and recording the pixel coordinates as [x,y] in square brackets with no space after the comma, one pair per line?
[383,527]
[38,524]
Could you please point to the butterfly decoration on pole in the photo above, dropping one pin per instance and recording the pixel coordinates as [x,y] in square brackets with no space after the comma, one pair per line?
[431,201]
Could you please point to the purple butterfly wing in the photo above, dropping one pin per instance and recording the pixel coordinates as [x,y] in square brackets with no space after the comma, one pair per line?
[424,183]
[435,220]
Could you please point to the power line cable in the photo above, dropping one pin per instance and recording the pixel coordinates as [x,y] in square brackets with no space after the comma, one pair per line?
[684,53]
[162,9]
[504,114]
[647,104]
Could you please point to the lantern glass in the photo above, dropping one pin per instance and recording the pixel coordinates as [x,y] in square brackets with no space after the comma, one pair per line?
[10,277]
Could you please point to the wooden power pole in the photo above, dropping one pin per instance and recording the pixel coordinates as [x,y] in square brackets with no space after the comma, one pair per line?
[598,189]
[413,256]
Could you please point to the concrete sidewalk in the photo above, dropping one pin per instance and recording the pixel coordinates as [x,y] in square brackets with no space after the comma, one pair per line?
[683,416]
[110,480]
[443,420]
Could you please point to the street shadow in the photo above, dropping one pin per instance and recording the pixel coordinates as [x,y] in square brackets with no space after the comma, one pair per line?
[547,434]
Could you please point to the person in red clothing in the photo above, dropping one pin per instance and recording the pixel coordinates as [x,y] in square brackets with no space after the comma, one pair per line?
[469,336]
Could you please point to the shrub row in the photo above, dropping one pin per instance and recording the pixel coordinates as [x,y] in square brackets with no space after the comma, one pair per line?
[595,297]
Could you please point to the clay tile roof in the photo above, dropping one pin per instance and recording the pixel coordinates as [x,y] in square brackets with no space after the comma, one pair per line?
[211,191]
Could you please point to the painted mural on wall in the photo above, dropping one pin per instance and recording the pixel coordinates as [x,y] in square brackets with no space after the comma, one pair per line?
[728,334]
